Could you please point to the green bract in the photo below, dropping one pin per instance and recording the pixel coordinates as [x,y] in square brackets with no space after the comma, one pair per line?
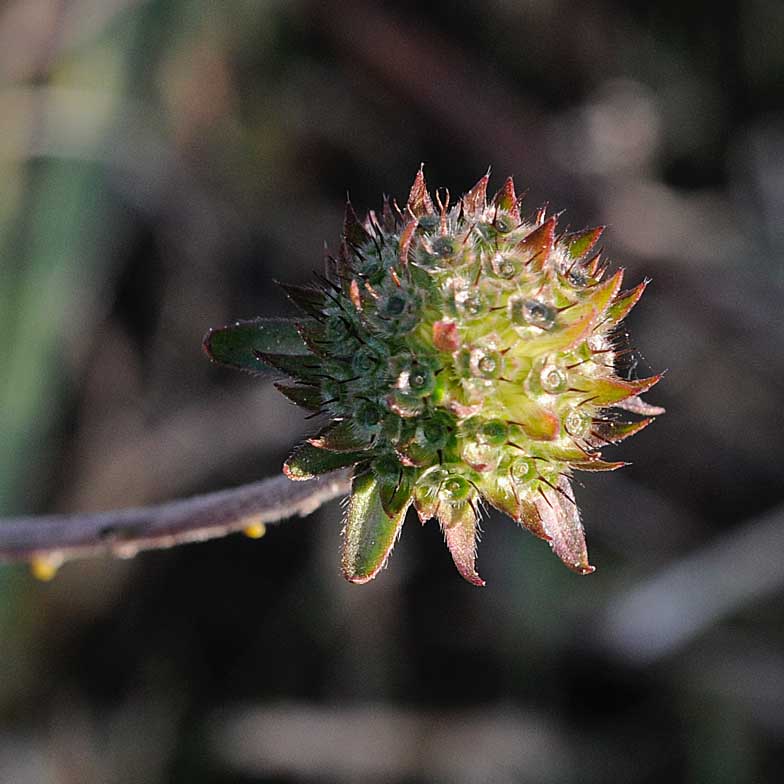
[457,354]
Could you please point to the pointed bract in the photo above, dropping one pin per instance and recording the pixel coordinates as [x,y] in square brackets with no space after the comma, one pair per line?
[531,519]
[561,522]
[307,397]
[238,345]
[596,299]
[405,240]
[539,243]
[419,201]
[459,525]
[369,534]
[307,462]
[305,369]
[611,391]
[580,243]
[341,436]
[596,266]
[613,432]
[475,201]
[506,200]
[624,302]
[562,338]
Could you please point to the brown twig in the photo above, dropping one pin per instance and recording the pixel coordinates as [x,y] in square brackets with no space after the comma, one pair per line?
[54,539]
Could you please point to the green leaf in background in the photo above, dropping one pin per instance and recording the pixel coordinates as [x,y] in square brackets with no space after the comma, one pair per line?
[238,345]
[369,534]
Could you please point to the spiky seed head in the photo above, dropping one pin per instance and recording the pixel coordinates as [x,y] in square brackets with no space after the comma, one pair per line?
[460,354]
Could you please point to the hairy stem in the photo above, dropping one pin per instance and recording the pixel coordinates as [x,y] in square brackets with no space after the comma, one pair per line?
[124,532]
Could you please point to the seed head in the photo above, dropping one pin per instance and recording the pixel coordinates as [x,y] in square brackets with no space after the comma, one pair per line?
[461,354]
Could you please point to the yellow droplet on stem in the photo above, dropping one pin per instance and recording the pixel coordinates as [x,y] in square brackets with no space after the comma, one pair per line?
[45,567]
[255,531]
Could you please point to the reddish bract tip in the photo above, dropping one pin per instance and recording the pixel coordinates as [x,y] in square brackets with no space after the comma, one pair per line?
[578,244]
[539,243]
[419,201]
[506,199]
[476,199]
[625,301]
[353,293]
[405,240]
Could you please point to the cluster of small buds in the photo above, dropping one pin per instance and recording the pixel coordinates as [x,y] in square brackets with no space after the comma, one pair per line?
[461,353]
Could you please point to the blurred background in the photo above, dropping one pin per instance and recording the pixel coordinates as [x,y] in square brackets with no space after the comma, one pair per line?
[160,164]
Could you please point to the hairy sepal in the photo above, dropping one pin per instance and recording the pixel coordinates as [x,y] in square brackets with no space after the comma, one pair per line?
[560,520]
[459,525]
[369,533]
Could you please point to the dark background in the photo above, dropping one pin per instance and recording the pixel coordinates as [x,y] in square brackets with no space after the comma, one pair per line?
[160,164]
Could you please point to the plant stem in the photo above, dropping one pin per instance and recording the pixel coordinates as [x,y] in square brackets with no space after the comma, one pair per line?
[124,532]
